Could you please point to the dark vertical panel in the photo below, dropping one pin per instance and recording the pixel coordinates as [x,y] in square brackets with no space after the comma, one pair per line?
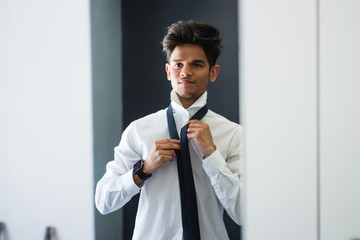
[107,100]
[145,87]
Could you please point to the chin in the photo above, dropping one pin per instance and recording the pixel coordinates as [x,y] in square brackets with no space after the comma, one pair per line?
[186,95]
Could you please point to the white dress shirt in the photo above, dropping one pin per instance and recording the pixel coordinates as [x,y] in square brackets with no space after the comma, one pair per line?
[217,178]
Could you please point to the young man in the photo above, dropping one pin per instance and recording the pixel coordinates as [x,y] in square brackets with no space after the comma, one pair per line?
[185,184]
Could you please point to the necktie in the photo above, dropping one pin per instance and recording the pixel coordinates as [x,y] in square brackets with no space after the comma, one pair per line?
[189,212]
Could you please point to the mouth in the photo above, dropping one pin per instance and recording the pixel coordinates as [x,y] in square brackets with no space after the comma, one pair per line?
[186,82]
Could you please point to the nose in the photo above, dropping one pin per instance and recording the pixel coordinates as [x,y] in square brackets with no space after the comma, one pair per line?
[186,71]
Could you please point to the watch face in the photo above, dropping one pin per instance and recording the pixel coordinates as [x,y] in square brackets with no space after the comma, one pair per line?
[137,166]
[138,170]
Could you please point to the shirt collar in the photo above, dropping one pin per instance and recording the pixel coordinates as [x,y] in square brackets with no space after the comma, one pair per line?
[196,106]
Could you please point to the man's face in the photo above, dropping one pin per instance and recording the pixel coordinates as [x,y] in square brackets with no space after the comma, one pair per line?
[189,72]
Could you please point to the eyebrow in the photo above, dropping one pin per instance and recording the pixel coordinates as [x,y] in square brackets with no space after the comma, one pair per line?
[194,61]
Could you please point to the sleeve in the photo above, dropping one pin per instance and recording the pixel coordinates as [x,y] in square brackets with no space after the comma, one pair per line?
[117,186]
[226,176]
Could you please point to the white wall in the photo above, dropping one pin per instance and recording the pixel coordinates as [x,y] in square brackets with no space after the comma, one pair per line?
[45,125]
[279,115]
[300,94]
[340,119]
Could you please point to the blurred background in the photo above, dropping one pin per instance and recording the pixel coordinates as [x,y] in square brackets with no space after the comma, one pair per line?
[74,74]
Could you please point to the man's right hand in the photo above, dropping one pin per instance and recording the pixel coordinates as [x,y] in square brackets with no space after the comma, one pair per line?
[161,152]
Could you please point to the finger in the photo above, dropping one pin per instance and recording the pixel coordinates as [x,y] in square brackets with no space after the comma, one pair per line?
[198,125]
[195,134]
[166,153]
[167,141]
[190,136]
[194,127]
[168,146]
[200,130]
[166,158]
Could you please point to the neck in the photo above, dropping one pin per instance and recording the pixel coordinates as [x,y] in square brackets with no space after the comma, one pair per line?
[187,102]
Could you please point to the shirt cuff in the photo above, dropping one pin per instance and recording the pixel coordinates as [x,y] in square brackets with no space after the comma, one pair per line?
[129,183]
[214,163]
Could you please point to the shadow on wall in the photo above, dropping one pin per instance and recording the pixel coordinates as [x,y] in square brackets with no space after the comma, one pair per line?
[3,232]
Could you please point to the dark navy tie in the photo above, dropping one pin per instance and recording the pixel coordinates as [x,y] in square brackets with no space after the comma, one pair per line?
[189,211]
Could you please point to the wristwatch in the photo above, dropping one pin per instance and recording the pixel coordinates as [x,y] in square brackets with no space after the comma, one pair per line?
[138,170]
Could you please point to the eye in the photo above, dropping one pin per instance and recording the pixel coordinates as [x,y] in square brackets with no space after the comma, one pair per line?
[196,65]
[177,64]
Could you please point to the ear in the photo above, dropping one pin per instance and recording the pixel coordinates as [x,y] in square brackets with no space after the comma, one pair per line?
[214,71]
[167,66]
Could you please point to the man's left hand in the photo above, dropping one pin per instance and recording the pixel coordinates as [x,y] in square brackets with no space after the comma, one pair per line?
[201,134]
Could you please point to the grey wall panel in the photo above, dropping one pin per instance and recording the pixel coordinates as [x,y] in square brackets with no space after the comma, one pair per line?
[107,100]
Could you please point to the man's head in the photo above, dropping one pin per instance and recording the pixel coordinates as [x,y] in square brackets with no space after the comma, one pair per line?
[193,32]
[192,49]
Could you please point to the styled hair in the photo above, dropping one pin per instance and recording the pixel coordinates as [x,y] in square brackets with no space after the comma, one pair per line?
[207,36]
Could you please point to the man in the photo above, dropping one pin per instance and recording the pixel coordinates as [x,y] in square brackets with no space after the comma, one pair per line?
[185,184]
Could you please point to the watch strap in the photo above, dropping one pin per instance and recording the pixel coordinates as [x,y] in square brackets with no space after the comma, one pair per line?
[139,171]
